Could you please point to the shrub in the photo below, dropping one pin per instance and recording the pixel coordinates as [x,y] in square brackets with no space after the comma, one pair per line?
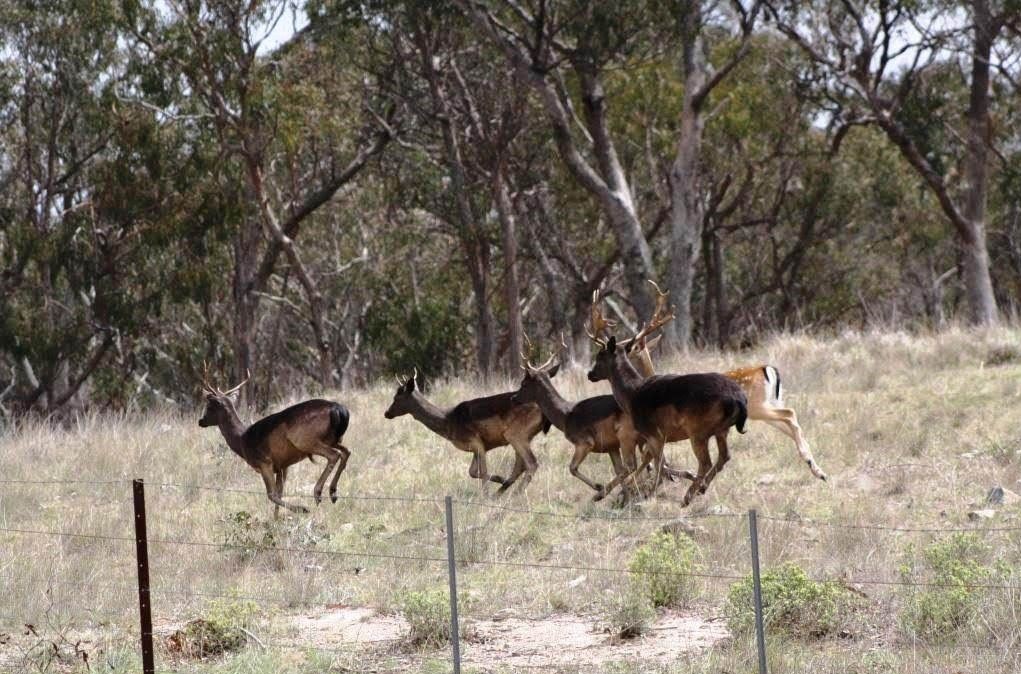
[245,534]
[661,569]
[629,614]
[791,602]
[940,612]
[428,616]
[222,629]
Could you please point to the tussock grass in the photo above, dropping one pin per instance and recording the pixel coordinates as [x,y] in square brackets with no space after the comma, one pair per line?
[912,429]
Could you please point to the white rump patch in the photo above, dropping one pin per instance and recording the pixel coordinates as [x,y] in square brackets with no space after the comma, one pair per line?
[774,388]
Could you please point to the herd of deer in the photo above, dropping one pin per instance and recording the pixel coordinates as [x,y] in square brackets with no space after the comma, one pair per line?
[644,412]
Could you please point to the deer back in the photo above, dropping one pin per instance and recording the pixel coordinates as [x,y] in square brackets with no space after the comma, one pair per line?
[491,416]
[705,400]
[282,437]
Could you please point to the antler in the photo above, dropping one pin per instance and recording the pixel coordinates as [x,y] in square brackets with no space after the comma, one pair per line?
[206,386]
[660,317]
[248,375]
[599,323]
[527,363]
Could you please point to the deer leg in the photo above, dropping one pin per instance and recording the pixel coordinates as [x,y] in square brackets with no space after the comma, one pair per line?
[516,472]
[344,454]
[700,446]
[722,456]
[785,420]
[267,477]
[651,450]
[525,462]
[281,477]
[581,452]
[473,470]
[332,455]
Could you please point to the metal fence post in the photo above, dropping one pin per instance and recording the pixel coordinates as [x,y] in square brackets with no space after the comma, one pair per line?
[455,638]
[142,555]
[760,633]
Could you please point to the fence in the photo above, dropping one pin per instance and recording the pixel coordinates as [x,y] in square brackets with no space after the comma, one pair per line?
[481,543]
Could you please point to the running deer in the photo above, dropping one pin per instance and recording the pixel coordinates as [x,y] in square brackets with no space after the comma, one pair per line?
[761,383]
[592,425]
[478,426]
[669,408]
[275,443]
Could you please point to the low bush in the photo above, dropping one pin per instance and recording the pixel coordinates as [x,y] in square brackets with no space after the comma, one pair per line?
[628,614]
[661,569]
[791,602]
[428,616]
[958,562]
[223,628]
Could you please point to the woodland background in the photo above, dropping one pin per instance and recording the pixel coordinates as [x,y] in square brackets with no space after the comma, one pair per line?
[403,184]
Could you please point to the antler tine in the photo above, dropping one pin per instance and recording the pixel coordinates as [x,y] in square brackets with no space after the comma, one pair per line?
[598,321]
[248,375]
[206,386]
[661,316]
[414,375]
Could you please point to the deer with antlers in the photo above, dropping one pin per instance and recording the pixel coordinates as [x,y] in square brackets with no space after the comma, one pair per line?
[592,425]
[761,383]
[669,408]
[274,443]
[477,426]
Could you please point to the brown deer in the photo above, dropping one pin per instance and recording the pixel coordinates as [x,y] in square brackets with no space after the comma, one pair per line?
[592,425]
[478,426]
[668,408]
[273,444]
[761,383]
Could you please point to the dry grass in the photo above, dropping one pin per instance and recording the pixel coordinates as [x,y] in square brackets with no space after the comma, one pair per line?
[912,430]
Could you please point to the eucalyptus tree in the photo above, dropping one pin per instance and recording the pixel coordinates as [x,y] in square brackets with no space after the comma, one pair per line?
[874,61]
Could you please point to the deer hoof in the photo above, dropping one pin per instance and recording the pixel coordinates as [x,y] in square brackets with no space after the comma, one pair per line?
[301,509]
[333,496]
[600,495]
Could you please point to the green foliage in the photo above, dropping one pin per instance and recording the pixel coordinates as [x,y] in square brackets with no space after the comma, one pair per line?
[939,613]
[221,630]
[791,602]
[628,614]
[428,616]
[661,569]
[245,534]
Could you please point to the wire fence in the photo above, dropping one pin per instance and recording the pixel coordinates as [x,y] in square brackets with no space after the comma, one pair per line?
[490,550]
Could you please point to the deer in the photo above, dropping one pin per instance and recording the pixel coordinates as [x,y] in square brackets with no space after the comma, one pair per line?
[596,424]
[670,408]
[477,426]
[761,384]
[276,442]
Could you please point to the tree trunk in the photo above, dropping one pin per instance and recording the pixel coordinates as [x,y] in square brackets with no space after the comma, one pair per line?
[512,290]
[245,303]
[685,209]
[978,284]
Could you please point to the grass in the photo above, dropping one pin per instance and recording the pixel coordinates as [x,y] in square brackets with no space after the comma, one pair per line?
[912,430]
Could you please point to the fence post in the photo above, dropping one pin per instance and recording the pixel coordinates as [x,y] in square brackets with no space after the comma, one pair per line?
[142,555]
[760,633]
[455,637]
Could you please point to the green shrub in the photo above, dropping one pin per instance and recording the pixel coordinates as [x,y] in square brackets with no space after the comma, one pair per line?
[222,629]
[662,569]
[244,534]
[629,614]
[791,602]
[428,616]
[939,612]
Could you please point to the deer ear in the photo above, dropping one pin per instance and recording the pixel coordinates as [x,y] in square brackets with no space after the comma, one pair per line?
[650,344]
[611,345]
[552,372]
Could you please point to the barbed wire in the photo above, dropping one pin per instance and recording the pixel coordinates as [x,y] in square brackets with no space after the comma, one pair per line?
[67,534]
[609,516]
[297,495]
[83,482]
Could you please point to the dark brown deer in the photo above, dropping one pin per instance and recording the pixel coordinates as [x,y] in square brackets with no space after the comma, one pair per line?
[669,408]
[592,425]
[761,383]
[478,426]
[273,444]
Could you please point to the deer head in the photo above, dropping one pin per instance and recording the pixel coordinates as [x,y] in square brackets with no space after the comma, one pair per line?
[219,407]
[403,402]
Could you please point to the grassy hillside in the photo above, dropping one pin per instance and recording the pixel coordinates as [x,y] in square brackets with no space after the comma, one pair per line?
[912,430]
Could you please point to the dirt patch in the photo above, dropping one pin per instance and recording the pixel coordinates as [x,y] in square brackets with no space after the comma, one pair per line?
[559,639]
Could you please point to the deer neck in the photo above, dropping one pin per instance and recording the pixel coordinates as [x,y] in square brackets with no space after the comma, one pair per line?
[553,405]
[430,416]
[233,432]
[624,381]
